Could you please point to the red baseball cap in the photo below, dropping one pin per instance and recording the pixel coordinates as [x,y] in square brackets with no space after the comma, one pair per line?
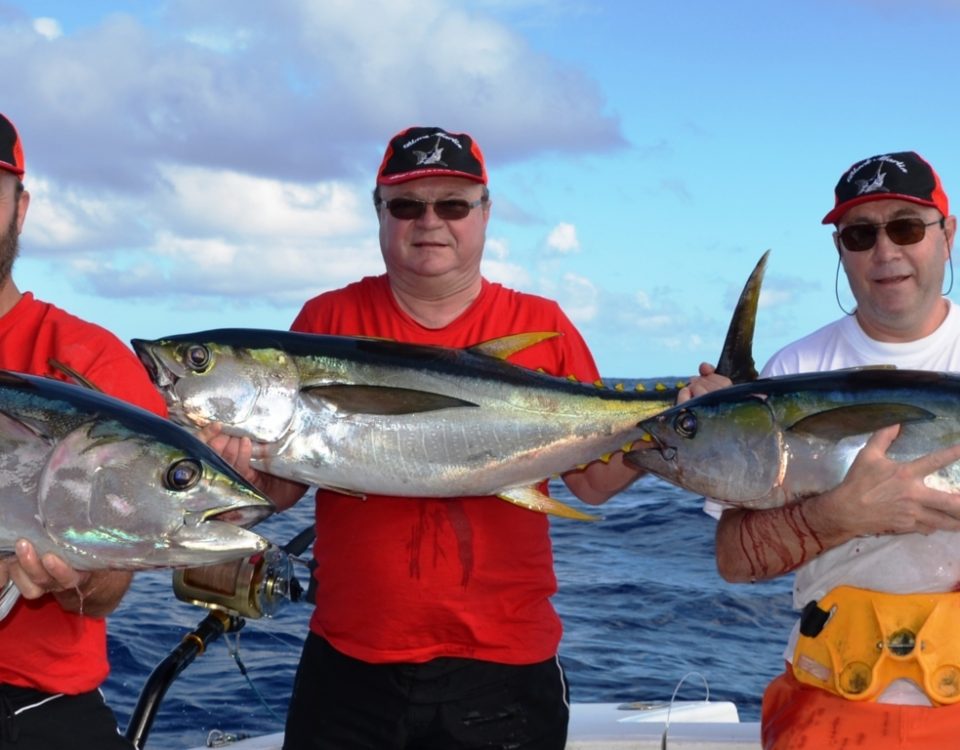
[11,149]
[904,175]
[431,152]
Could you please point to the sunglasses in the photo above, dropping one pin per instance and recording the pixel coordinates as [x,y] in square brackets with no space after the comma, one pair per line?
[859,237]
[448,209]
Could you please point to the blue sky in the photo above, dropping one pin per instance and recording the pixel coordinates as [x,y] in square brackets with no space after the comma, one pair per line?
[208,163]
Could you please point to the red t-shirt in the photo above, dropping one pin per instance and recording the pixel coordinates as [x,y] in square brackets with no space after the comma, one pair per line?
[41,645]
[404,579]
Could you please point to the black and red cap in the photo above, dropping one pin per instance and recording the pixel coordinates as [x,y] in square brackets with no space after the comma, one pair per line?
[904,175]
[11,149]
[431,152]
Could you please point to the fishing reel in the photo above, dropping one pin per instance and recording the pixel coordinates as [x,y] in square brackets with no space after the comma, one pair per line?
[253,587]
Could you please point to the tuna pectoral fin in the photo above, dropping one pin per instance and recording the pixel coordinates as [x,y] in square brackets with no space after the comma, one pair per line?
[23,428]
[858,419]
[377,399]
[504,346]
[533,499]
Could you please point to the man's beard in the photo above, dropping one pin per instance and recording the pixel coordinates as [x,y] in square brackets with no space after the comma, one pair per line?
[9,248]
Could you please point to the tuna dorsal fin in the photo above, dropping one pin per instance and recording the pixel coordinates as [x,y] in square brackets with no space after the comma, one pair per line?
[736,358]
[503,347]
[533,499]
[73,374]
[858,419]
[376,399]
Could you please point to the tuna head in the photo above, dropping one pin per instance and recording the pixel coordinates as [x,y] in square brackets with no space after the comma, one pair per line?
[108,497]
[728,451]
[252,392]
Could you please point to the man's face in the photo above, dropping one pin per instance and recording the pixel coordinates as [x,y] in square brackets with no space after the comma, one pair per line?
[13,209]
[898,287]
[430,247]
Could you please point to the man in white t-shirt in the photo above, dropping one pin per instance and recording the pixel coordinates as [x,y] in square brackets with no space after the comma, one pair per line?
[881,530]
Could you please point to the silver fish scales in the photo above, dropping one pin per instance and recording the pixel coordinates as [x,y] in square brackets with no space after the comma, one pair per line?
[104,484]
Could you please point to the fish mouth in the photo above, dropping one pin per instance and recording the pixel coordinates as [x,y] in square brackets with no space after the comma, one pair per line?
[214,544]
[236,515]
[667,452]
[247,516]
[160,374]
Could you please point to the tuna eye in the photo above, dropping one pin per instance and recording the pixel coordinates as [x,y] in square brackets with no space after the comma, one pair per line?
[183,474]
[685,424]
[197,357]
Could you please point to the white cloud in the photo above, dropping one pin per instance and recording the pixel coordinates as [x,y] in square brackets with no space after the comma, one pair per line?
[579,298]
[496,266]
[563,239]
[48,28]
[228,149]
[208,234]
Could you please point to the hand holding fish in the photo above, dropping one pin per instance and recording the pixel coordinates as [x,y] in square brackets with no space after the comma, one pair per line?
[93,593]
[877,496]
[238,452]
[883,496]
[708,380]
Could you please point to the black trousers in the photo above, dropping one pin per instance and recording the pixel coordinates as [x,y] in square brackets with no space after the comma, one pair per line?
[340,703]
[33,720]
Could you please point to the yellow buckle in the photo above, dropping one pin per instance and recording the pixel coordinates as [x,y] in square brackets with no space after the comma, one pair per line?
[871,638]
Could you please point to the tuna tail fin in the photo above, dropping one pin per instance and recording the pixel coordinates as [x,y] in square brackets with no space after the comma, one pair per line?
[736,358]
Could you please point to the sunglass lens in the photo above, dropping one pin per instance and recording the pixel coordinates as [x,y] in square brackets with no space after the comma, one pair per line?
[406,209]
[452,209]
[858,237]
[906,231]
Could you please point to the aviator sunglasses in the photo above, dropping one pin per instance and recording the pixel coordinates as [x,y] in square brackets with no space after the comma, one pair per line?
[448,209]
[859,237]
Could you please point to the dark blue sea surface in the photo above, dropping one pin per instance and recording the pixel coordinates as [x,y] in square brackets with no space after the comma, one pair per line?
[640,598]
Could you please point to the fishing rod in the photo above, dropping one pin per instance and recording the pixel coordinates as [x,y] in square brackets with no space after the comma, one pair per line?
[253,587]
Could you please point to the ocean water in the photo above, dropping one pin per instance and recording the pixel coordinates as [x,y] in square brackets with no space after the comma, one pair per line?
[641,601]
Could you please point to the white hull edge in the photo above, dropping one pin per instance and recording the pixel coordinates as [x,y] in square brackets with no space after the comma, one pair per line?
[693,725]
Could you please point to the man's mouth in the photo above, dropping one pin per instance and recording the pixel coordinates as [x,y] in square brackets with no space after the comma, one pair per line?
[889,280]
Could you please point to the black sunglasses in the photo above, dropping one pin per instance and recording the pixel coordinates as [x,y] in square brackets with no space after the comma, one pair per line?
[859,237]
[448,209]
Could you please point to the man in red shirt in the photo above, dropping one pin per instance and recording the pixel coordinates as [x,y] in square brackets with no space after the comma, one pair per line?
[53,654]
[433,624]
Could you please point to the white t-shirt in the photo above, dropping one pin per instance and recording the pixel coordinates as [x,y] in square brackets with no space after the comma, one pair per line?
[896,563]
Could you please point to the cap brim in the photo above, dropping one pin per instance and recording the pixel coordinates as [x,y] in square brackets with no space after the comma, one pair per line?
[834,216]
[416,174]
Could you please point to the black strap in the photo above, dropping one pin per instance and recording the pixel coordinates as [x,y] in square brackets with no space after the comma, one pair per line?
[812,619]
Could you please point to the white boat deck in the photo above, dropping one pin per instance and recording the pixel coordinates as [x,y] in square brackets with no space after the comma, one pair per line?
[693,725]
